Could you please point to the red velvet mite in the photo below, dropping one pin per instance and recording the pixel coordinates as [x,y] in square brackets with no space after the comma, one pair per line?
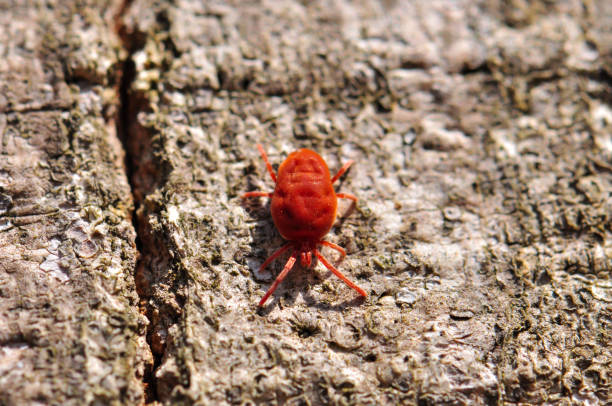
[303,209]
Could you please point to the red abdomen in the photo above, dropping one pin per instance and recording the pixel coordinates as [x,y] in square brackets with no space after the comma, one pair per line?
[304,202]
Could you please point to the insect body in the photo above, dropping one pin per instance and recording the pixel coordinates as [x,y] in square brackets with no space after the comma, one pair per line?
[303,208]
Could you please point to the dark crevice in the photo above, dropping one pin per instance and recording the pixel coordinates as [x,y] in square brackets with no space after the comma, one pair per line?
[34,108]
[483,68]
[130,105]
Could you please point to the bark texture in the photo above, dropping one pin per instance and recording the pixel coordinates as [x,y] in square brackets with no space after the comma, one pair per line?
[70,331]
[481,132]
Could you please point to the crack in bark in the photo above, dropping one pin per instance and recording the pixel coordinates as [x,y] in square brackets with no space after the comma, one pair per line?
[129,107]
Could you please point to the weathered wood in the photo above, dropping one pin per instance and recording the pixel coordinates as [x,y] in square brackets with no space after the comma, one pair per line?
[70,331]
[481,135]
[481,132]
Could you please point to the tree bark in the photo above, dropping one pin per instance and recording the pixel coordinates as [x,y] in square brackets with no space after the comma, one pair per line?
[482,234]
[70,330]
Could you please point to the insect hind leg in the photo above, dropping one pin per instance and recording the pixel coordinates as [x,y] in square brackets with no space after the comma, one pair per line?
[334,246]
[280,277]
[339,274]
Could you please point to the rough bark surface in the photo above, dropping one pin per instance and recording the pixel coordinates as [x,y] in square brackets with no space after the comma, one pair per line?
[481,132]
[70,331]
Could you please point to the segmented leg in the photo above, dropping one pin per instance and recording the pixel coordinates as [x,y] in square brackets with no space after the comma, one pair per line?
[276,254]
[342,170]
[346,196]
[270,171]
[334,246]
[268,165]
[280,277]
[339,274]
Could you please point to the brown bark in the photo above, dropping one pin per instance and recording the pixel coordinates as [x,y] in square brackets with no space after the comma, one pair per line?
[70,331]
[481,135]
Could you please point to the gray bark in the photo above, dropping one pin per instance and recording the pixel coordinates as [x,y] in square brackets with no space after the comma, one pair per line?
[481,133]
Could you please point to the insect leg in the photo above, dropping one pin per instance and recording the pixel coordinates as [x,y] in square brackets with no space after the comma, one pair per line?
[280,277]
[334,246]
[268,166]
[339,274]
[276,254]
[346,196]
[256,194]
[342,170]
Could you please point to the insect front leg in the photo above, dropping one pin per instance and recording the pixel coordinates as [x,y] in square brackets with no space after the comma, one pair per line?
[268,165]
[342,170]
